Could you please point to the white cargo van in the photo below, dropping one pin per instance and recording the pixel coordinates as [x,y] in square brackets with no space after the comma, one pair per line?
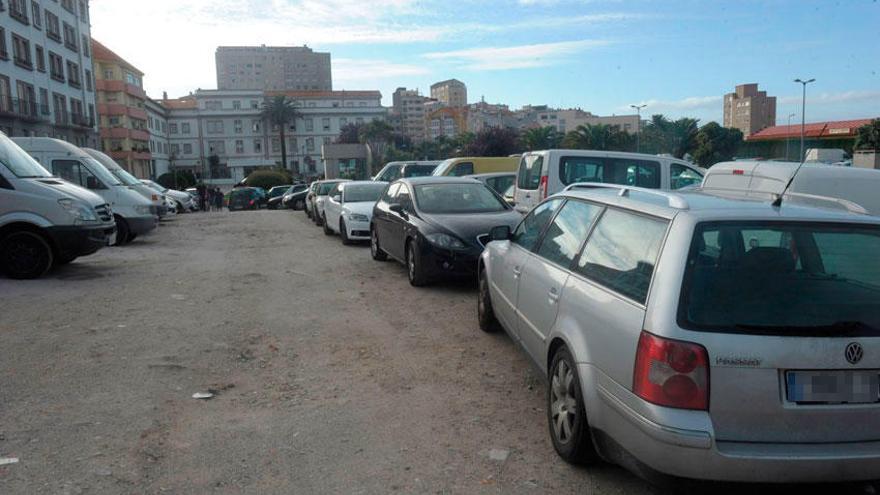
[132,212]
[161,209]
[857,185]
[544,173]
[44,221]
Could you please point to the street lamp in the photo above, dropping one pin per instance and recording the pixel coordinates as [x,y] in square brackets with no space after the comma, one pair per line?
[788,135]
[803,112]
[638,123]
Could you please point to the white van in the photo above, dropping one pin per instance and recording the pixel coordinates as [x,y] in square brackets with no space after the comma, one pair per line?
[544,173]
[133,213]
[44,221]
[159,205]
[858,185]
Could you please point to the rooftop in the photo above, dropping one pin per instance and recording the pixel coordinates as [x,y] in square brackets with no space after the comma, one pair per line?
[829,130]
[101,52]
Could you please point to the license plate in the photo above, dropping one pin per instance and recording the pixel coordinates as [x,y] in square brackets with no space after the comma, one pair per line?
[111,239]
[833,387]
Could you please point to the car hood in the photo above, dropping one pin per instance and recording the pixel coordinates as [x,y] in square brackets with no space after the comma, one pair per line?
[469,226]
[361,207]
[178,195]
[68,189]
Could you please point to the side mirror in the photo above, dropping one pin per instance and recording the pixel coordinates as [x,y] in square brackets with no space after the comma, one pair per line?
[500,233]
[396,208]
[337,198]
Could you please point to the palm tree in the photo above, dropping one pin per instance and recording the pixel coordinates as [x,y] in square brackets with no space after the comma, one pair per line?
[542,138]
[376,134]
[279,111]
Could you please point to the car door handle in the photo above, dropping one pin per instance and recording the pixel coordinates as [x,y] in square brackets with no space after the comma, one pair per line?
[553,295]
[517,271]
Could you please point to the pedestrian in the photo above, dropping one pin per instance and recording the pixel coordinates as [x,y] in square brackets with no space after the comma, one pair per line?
[218,199]
[202,190]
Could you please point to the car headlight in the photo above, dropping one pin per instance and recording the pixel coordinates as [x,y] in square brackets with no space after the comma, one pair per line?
[358,217]
[143,209]
[79,211]
[445,241]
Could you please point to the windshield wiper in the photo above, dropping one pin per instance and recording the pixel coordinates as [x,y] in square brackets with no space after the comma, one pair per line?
[838,328]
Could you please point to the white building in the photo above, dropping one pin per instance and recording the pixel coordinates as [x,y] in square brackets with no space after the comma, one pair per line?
[157,125]
[228,124]
[46,82]
[565,120]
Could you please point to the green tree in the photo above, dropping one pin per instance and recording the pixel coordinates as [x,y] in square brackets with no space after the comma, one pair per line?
[279,111]
[268,179]
[492,141]
[716,144]
[868,137]
[376,134]
[350,133]
[542,138]
[661,135]
[599,137]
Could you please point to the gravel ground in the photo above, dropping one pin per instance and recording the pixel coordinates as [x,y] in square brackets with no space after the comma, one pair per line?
[330,374]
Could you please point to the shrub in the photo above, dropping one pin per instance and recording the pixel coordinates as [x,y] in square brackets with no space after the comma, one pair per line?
[267,179]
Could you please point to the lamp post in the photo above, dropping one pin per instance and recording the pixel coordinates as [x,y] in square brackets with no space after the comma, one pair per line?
[803,112]
[788,136]
[638,124]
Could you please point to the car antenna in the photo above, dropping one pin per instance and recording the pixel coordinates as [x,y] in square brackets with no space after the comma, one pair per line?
[778,201]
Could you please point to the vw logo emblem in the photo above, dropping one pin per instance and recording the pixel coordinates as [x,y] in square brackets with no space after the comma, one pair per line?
[854,353]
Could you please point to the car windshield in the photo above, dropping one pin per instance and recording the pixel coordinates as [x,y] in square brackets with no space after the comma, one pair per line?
[457,198]
[781,278]
[325,188]
[154,186]
[19,162]
[356,193]
[389,173]
[101,172]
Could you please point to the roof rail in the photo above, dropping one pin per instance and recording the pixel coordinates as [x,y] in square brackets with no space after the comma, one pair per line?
[673,200]
[838,202]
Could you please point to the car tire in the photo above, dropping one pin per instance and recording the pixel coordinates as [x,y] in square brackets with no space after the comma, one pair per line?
[485,312]
[566,414]
[414,269]
[375,250]
[25,255]
[122,232]
[306,211]
[327,229]
[343,233]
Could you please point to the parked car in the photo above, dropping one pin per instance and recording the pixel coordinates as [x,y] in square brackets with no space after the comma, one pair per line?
[244,198]
[158,200]
[436,226]
[183,200]
[276,193]
[859,185]
[309,206]
[417,169]
[392,170]
[636,303]
[499,182]
[295,197]
[348,209]
[134,215]
[544,173]
[460,167]
[319,196]
[45,221]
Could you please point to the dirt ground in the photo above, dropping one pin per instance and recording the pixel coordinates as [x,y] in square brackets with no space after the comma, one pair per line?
[330,374]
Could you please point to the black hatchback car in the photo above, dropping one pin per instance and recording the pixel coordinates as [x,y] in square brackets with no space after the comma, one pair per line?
[244,198]
[437,226]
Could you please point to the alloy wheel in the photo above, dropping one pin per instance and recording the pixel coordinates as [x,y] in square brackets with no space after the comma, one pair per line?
[563,403]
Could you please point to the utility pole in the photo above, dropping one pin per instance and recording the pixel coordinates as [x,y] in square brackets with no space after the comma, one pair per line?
[788,136]
[638,124]
[803,113]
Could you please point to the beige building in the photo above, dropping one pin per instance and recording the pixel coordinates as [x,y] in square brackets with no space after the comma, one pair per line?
[273,68]
[749,110]
[566,120]
[451,93]
[408,113]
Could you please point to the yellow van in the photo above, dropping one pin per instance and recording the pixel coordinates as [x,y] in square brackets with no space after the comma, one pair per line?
[458,167]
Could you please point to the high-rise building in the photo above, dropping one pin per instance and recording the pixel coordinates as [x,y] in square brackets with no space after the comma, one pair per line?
[451,93]
[46,83]
[748,109]
[273,68]
[121,107]
[408,113]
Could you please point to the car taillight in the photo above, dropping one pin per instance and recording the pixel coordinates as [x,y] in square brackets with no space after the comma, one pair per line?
[251,202]
[542,188]
[671,373]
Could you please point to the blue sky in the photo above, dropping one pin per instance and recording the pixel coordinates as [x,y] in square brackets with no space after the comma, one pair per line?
[677,56]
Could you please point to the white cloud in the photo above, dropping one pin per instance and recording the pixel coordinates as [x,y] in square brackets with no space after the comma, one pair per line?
[354,71]
[677,106]
[833,98]
[515,57]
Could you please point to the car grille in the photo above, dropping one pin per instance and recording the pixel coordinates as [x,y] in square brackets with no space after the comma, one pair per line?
[104,212]
[484,239]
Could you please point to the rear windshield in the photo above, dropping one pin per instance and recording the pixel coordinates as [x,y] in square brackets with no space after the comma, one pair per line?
[418,170]
[363,192]
[626,171]
[457,198]
[783,278]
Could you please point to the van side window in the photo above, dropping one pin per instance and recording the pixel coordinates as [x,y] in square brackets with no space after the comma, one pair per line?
[568,231]
[530,168]
[622,251]
[682,176]
[500,184]
[73,171]
[528,231]
[462,169]
[624,171]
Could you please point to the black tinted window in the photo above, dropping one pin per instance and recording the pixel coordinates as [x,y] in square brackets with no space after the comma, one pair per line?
[622,251]
[418,170]
[530,172]
[457,198]
[624,171]
[500,184]
[568,231]
[74,171]
[528,231]
[462,169]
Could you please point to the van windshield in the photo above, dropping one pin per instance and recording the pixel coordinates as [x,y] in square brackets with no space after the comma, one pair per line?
[125,177]
[101,172]
[19,162]
[783,278]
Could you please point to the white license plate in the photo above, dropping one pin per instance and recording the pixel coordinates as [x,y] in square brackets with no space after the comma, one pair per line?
[111,239]
[833,386]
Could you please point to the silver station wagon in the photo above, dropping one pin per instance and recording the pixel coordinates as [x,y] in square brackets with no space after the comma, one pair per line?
[698,335]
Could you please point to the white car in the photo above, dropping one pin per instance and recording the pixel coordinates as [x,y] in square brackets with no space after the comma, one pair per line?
[348,209]
[184,201]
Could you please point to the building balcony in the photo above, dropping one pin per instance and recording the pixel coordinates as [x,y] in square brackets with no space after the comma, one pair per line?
[126,155]
[118,109]
[124,133]
[25,110]
[120,86]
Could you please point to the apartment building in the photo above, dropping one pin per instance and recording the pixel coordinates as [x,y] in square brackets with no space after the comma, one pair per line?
[446,121]
[46,80]
[408,113]
[228,124]
[749,110]
[451,93]
[484,115]
[157,126]
[273,68]
[122,110]
[566,120]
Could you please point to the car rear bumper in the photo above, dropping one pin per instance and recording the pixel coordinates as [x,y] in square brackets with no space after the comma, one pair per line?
[685,452]
[76,241]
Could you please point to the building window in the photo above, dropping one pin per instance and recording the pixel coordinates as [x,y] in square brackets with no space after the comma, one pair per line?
[163,127]
[184,128]
[255,105]
[88,80]
[310,144]
[343,122]
[256,125]
[132,79]
[38,16]
[113,121]
[83,12]
[187,149]
[276,145]
[236,104]
[21,52]
[53,30]
[41,58]
[44,101]
[85,45]
[217,147]
[73,75]
[310,125]
[56,67]
[18,10]
[70,40]
[237,127]
[359,120]
[175,149]
[68,5]
[258,146]
[215,127]
[213,105]
[325,123]
[326,140]
[239,146]
[173,128]
[3,54]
